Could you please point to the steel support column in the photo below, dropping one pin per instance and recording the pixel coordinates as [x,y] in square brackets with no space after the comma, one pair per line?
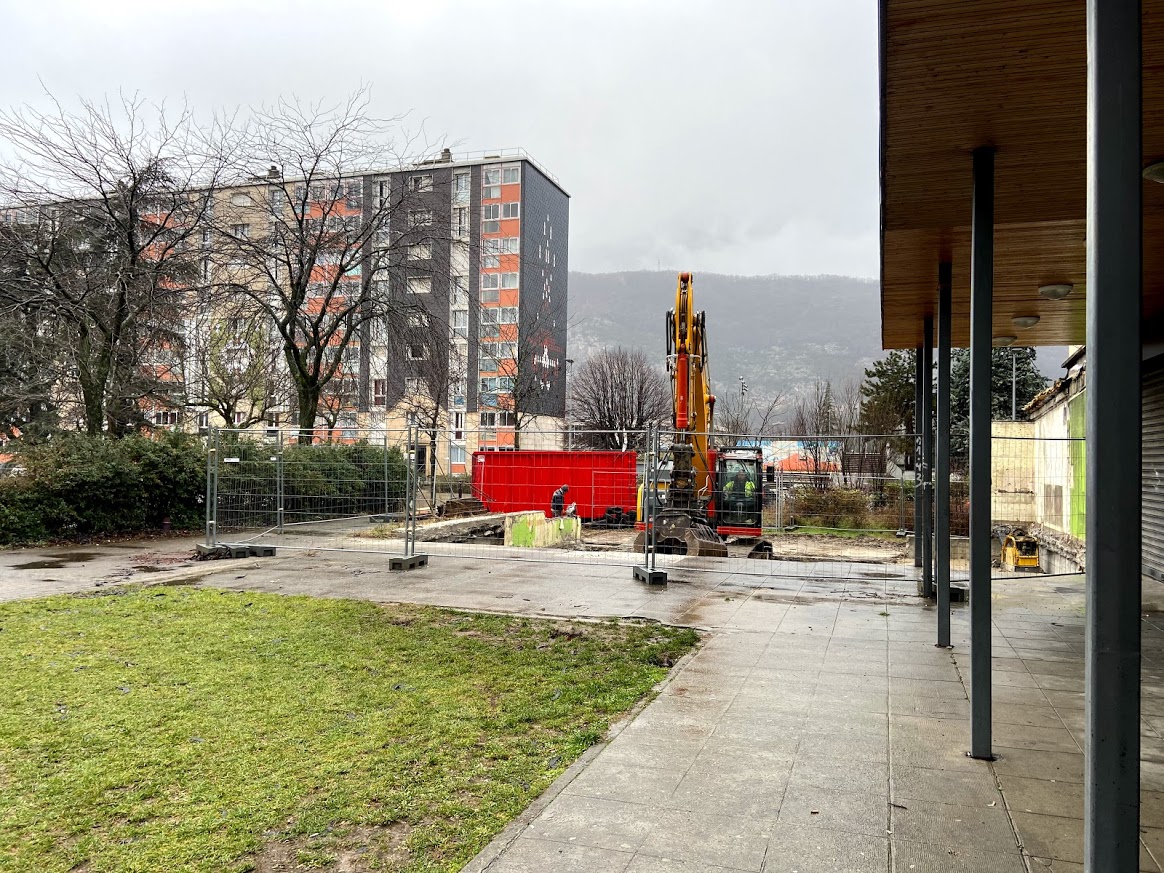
[927,430]
[917,457]
[981,313]
[1111,798]
[942,459]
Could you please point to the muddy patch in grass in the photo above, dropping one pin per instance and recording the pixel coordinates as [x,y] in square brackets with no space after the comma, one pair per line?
[339,850]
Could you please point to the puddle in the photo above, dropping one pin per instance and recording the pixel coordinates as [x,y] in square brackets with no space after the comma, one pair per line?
[147,568]
[58,562]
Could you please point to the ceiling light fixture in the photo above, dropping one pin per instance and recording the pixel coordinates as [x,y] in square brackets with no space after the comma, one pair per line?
[1003,340]
[1056,292]
[1154,172]
[1022,322]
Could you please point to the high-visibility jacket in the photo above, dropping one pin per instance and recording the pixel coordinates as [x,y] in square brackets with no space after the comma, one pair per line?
[749,487]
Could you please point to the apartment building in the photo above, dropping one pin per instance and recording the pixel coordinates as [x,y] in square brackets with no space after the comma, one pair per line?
[475,251]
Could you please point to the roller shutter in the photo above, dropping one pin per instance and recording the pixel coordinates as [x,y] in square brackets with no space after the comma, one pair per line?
[1152,483]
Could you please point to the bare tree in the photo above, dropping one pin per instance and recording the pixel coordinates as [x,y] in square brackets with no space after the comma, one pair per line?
[104,205]
[615,395]
[231,365]
[437,373]
[814,420]
[740,416]
[319,242]
[531,363]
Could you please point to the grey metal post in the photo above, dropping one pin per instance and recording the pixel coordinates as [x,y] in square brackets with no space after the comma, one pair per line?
[211,466]
[655,495]
[388,498]
[1013,385]
[1111,797]
[981,312]
[648,496]
[942,458]
[917,456]
[927,441]
[280,487]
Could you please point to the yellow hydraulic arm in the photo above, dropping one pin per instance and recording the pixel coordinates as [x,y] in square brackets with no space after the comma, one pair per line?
[693,402]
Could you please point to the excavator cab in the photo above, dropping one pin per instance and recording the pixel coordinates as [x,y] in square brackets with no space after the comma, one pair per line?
[739,494]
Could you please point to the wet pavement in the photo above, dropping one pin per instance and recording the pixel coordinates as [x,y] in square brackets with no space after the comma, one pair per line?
[817,728]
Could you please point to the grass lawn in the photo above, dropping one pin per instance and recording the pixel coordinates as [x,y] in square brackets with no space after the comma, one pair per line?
[170,729]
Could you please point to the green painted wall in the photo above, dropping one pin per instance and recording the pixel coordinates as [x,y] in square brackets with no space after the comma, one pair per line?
[1077,428]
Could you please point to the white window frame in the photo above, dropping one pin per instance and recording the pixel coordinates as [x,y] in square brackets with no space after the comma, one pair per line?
[511,210]
[509,280]
[420,284]
[420,184]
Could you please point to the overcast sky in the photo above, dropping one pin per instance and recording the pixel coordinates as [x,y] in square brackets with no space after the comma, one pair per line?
[736,137]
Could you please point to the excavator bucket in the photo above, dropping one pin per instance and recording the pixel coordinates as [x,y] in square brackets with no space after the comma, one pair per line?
[704,542]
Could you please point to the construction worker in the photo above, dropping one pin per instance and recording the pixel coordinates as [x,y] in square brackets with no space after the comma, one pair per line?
[558,502]
[741,485]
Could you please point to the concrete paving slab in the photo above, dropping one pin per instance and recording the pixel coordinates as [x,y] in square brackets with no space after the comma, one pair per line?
[794,849]
[848,811]
[590,821]
[1058,766]
[728,841]
[910,857]
[530,855]
[962,787]
[844,774]
[951,827]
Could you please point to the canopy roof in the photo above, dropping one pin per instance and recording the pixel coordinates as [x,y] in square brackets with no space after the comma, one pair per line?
[958,74]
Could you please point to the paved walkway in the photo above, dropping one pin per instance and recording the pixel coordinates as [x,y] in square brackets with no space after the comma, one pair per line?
[817,729]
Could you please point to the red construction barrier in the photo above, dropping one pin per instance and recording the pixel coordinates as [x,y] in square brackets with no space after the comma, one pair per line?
[526,480]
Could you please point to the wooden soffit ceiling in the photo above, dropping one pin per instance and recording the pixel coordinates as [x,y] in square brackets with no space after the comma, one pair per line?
[958,74]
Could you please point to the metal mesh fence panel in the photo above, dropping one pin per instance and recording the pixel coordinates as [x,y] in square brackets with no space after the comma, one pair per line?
[830,507]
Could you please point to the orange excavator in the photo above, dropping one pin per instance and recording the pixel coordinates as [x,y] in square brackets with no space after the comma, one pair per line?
[712,494]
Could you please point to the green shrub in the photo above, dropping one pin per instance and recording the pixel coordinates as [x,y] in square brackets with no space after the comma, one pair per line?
[840,508]
[77,485]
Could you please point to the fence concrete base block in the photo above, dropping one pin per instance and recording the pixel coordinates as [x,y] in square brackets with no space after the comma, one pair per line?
[261,551]
[411,562]
[651,577]
[385,517]
[224,550]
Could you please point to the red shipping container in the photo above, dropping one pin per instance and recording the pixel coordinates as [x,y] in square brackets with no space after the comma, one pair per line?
[525,480]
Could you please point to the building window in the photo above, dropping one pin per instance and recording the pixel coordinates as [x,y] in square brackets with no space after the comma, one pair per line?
[379,392]
[241,231]
[416,352]
[490,280]
[461,187]
[510,245]
[420,218]
[490,262]
[420,251]
[488,419]
[239,418]
[490,295]
[458,425]
[413,387]
[203,420]
[273,419]
[418,319]
[165,417]
[419,184]
[461,222]
[460,291]
[420,285]
[205,269]
[511,175]
[490,213]
[509,280]
[507,315]
[511,210]
[383,193]
[461,322]
[457,454]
